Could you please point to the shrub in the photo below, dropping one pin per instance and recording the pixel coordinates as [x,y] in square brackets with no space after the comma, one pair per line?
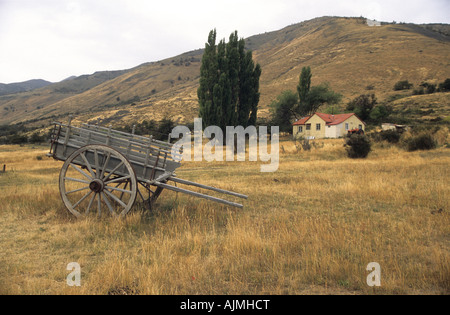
[444,86]
[419,91]
[362,105]
[429,88]
[357,146]
[422,141]
[380,112]
[37,138]
[402,85]
[391,136]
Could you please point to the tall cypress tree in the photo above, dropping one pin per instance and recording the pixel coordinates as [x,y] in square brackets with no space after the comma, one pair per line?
[229,83]
[254,100]
[311,98]
[304,85]
[208,80]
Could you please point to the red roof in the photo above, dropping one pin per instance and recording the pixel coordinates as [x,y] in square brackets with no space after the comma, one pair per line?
[302,121]
[329,119]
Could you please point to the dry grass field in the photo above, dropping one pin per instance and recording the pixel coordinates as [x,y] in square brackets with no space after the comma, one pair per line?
[312,227]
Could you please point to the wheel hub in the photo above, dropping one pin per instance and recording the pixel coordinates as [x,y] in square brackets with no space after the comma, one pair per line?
[96,185]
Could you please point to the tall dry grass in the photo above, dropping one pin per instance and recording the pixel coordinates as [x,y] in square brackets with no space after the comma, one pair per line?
[311,227]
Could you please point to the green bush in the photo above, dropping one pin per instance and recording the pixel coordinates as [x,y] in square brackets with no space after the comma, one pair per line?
[422,141]
[402,85]
[444,86]
[357,146]
[391,136]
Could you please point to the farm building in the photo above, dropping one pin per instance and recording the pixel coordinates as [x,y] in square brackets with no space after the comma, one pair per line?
[399,128]
[320,125]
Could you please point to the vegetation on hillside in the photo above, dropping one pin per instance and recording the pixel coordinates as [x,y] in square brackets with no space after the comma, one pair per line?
[289,105]
[345,52]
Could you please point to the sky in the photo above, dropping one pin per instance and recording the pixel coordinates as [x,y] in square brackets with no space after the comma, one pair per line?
[55,39]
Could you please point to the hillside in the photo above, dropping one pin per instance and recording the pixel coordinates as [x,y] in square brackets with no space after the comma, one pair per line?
[19,87]
[345,52]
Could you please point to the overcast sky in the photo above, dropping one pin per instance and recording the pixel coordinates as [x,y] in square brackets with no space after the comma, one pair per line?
[54,39]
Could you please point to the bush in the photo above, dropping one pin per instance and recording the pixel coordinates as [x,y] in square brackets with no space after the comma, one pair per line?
[37,138]
[363,105]
[445,86]
[357,146]
[380,112]
[429,88]
[391,136]
[402,85]
[423,141]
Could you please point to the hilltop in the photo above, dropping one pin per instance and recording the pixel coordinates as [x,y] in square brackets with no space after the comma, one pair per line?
[19,87]
[351,56]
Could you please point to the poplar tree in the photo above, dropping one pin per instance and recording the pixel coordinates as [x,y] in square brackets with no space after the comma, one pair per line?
[304,85]
[312,97]
[208,79]
[229,83]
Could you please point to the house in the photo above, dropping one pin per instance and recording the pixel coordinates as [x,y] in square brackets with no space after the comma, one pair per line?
[398,128]
[373,23]
[320,125]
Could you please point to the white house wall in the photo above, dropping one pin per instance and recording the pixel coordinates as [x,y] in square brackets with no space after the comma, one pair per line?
[330,132]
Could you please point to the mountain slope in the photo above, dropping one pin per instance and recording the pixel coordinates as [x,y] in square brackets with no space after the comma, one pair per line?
[345,52]
[18,87]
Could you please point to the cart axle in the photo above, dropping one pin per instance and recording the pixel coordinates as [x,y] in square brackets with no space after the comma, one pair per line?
[97,185]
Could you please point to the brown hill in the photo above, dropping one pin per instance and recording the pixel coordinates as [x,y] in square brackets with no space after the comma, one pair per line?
[351,56]
[18,87]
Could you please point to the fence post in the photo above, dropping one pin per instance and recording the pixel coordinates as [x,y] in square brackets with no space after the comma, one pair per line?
[4,168]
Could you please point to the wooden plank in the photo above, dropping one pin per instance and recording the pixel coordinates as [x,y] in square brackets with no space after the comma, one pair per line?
[120,134]
[186,182]
[196,194]
[131,155]
[115,142]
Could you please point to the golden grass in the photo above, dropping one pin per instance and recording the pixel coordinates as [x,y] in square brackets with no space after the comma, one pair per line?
[312,227]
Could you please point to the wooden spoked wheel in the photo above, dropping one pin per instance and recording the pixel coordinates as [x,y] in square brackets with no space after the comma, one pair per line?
[98,179]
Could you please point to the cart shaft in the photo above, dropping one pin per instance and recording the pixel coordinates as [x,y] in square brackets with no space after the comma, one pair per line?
[196,194]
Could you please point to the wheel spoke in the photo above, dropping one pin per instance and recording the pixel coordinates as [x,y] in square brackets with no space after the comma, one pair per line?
[112,172]
[115,198]
[90,204]
[125,187]
[76,180]
[77,190]
[81,171]
[97,165]
[108,204]
[105,165]
[119,189]
[87,164]
[117,179]
[81,200]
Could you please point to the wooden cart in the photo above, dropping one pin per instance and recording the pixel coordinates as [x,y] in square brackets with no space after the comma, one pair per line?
[106,170]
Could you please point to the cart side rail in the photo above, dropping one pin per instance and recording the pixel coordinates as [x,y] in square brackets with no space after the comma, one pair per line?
[143,151]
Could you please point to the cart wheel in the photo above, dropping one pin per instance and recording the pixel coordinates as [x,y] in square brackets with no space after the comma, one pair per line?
[97,178]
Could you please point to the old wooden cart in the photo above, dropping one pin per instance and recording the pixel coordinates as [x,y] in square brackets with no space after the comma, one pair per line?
[106,170]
